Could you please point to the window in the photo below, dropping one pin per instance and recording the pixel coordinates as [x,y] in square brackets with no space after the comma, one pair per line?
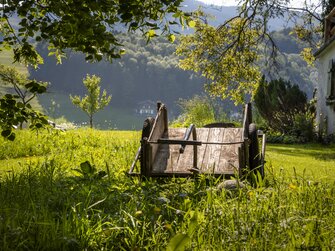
[330,98]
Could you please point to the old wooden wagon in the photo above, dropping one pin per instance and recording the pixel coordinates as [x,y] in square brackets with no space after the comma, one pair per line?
[218,149]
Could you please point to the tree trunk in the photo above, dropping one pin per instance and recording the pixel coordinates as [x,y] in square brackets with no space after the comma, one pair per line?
[91,120]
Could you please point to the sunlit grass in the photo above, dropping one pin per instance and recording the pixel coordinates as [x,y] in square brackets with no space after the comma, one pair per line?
[310,160]
[47,205]
[69,148]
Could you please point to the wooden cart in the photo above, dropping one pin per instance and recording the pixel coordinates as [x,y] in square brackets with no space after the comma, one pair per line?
[215,149]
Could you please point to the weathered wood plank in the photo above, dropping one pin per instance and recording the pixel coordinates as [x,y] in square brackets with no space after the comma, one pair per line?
[217,159]
[158,130]
[229,157]
[167,155]
[161,158]
[202,135]
[185,160]
[212,154]
[174,150]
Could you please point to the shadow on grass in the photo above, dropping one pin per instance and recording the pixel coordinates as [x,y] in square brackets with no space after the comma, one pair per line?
[319,152]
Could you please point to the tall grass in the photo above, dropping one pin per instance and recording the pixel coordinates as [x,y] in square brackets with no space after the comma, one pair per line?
[47,205]
[69,149]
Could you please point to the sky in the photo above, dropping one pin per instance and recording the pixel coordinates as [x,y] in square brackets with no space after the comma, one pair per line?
[294,3]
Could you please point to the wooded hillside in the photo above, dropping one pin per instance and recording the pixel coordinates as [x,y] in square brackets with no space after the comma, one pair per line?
[149,71]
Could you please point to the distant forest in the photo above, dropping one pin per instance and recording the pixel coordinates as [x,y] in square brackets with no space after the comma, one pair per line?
[149,71]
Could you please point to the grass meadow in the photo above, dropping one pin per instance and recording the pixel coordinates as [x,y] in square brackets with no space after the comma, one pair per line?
[70,191]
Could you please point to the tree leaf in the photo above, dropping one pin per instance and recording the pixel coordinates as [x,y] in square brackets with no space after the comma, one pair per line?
[193,224]
[87,168]
[6,133]
[178,242]
[38,125]
[122,51]
[191,24]
[172,38]
[151,33]
[11,137]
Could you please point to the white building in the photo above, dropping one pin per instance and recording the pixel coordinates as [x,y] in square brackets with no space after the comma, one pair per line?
[146,108]
[326,82]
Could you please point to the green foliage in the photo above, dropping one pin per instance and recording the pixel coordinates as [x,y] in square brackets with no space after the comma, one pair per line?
[278,102]
[302,130]
[6,58]
[279,138]
[86,169]
[303,126]
[181,241]
[178,242]
[233,75]
[88,27]
[15,108]
[228,56]
[200,110]
[286,111]
[89,171]
[92,102]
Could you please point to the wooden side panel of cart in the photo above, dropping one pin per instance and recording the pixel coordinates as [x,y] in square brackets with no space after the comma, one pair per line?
[215,159]
[160,129]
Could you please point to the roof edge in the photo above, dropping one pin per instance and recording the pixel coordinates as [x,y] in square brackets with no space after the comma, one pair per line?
[324,47]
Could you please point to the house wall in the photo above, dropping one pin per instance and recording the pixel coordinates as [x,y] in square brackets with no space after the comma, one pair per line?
[325,114]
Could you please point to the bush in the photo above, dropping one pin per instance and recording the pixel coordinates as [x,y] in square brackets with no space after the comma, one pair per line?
[286,112]
[278,102]
[279,138]
[200,110]
[303,126]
